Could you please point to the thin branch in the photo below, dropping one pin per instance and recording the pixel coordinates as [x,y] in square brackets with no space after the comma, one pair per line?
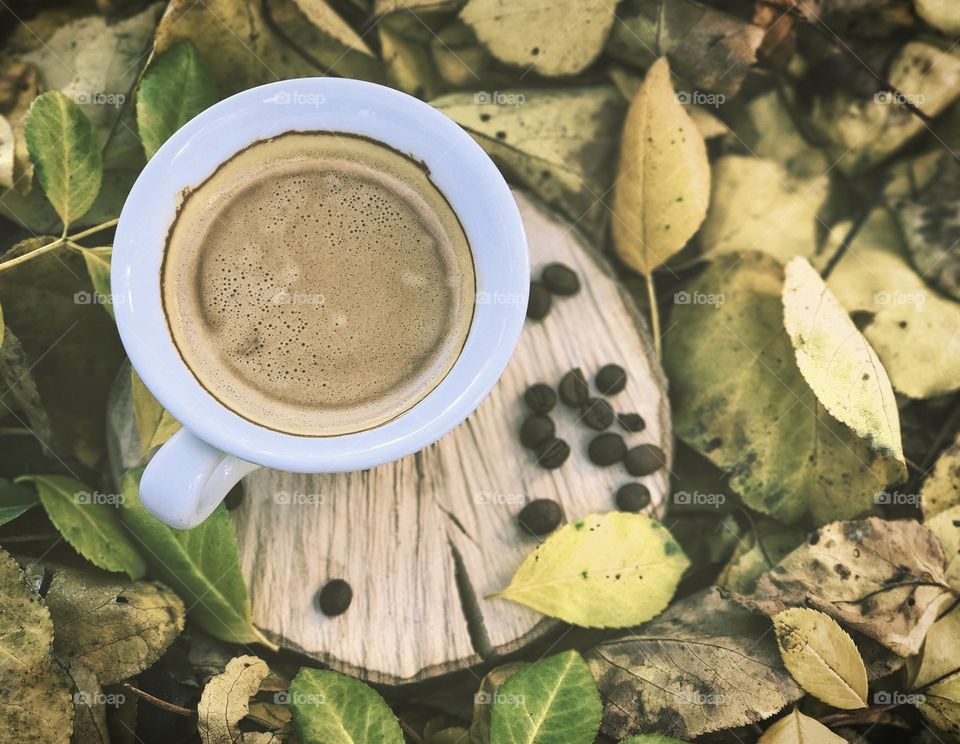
[94,229]
[180,711]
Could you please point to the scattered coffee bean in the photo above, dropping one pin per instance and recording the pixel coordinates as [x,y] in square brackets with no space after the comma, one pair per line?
[335,597]
[540,398]
[633,497]
[644,459]
[553,453]
[606,449]
[597,414]
[631,421]
[611,379]
[539,304]
[536,430]
[573,389]
[540,517]
[560,279]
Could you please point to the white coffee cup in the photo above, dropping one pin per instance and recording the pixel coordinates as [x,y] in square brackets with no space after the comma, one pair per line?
[193,471]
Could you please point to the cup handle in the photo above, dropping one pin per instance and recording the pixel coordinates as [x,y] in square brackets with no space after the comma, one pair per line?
[187,479]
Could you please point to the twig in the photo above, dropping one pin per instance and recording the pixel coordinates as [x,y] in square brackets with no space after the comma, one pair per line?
[94,229]
[411,734]
[861,715]
[180,711]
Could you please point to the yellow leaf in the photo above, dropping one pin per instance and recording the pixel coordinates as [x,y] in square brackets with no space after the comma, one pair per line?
[603,571]
[663,180]
[821,657]
[796,728]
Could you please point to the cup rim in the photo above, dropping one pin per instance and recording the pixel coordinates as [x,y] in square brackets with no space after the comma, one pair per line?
[458,166]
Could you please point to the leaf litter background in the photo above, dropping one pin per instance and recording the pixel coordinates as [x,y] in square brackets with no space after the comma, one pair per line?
[778,184]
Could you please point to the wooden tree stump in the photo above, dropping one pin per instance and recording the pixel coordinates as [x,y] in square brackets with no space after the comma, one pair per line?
[424,540]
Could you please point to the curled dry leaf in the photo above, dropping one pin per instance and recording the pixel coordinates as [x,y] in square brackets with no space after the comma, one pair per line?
[882,578]
[941,489]
[226,700]
[796,728]
[603,571]
[704,665]
[559,38]
[821,657]
[662,189]
[935,676]
[946,526]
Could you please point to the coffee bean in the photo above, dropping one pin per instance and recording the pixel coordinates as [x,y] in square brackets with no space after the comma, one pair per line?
[611,379]
[552,454]
[597,414]
[561,279]
[573,389]
[644,459]
[540,398]
[335,597]
[606,449]
[539,304]
[631,421]
[540,517]
[536,430]
[633,497]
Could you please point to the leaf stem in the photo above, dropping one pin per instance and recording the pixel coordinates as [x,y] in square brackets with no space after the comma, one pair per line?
[32,254]
[95,229]
[180,711]
[654,313]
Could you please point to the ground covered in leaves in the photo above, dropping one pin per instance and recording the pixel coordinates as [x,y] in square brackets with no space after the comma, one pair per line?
[778,183]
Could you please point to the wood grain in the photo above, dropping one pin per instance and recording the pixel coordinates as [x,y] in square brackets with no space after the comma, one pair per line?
[424,540]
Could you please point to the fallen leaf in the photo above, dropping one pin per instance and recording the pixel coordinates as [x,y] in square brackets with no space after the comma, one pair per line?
[560,143]
[20,385]
[326,19]
[226,700]
[89,708]
[335,709]
[66,153]
[796,728]
[556,39]
[18,88]
[941,14]
[704,665]
[884,579]
[98,269]
[602,571]
[37,704]
[936,677]
[175,87]
[902,318]
[115,628]
[662,187]
[946,526]
[484,698]
[201,564]
[552,701]
[15,500]
[840,366]
[155,425]
[708,49]
[740,399]
[758,553]
[88,523]
[941,489]
[821,657]
[408,62]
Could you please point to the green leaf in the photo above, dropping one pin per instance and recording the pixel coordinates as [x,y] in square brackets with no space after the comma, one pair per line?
[733,373]
[705,664]
[821,657]
[331,708]
[835,359]
[559,143]
[98,268]
[484,698]
[555,39]
[602,571]
[902,318]
[15,500]
[662,188]
[202,565]
[226,699]
[174,89]
[154,424]
[882,578]
[554,701]
[941,489]
[115,628]
[36,705]
[90,524]
[66,152]
[796,728]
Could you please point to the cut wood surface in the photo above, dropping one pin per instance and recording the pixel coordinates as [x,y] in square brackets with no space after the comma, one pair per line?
[425,540]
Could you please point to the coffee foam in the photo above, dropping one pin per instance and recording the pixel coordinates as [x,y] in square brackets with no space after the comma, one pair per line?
[318,284]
